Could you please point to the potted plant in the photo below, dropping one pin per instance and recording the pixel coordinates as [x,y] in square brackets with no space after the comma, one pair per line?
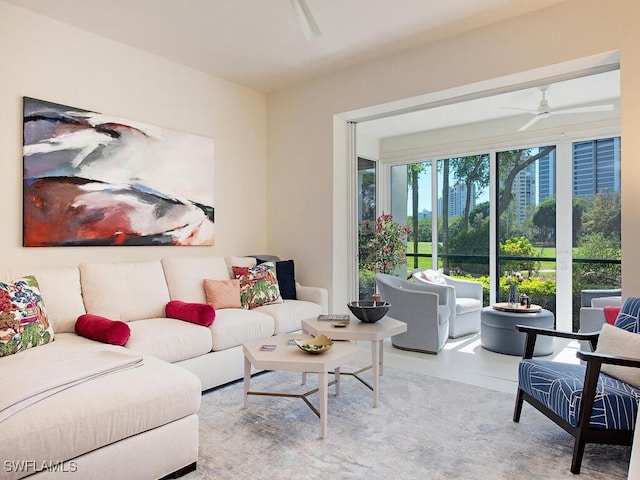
[387,248]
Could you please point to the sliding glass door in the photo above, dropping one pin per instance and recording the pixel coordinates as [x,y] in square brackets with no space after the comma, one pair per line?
[569,240]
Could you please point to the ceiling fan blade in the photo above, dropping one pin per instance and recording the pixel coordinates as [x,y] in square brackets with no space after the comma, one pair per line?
[305,18]
[593,108]
[528,110]
[532,121]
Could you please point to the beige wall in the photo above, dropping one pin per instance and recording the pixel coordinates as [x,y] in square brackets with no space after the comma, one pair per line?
[45,59]
[306,200]
[307,170]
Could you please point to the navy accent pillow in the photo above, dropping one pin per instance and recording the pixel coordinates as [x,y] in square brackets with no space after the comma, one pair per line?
[285,272]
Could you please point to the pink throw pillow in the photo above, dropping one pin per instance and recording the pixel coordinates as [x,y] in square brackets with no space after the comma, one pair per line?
[198,313]
[222,293]
[102,329]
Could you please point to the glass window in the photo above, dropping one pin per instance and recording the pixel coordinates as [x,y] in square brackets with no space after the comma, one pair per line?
[526,212]
[366,221]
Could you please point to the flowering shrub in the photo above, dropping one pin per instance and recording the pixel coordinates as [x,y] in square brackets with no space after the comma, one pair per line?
[387,250]
[513,278]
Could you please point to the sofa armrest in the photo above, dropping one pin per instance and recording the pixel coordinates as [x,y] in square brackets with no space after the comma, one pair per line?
[314,294]
[591,319]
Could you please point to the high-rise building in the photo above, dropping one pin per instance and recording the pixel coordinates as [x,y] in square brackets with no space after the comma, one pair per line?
[525,192]
[458,197]
[547,177]
[596,166]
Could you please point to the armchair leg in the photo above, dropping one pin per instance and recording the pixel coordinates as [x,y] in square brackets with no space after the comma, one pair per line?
[518,408]
[578,452]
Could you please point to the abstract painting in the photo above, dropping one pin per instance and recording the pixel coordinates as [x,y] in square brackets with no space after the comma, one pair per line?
[93,179]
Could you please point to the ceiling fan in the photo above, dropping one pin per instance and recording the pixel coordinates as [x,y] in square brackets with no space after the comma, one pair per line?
[307,22]
[545,111]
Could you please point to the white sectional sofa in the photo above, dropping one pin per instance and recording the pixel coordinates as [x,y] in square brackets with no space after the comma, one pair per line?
[141,422]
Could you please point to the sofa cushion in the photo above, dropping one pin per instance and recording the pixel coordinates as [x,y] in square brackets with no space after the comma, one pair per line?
[466,305]
[258,285]
[61,292]
[102,329]
[288,316]
[198,313]
[235,326]
[169,339]
[23,319]
[124,291]
[222,293]
[99,412]
[184,276]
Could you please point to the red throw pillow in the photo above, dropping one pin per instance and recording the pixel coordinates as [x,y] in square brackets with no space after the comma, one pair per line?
[611,313]
[199,313]
[102,329]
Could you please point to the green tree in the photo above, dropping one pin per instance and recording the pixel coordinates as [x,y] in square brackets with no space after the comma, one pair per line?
[545,218]
[596,275]
[445,215]
[472,171]
[513,162]
[518,247]
[603,215]
[413,171]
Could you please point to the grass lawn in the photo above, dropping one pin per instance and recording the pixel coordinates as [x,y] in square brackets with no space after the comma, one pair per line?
[426,248]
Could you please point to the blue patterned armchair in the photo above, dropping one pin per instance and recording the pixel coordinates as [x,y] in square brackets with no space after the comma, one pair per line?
[591,405]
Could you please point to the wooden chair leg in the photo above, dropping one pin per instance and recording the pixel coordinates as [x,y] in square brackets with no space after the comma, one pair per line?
[578,452]
[518,408]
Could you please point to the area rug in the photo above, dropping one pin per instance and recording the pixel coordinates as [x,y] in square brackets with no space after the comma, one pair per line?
[423,428]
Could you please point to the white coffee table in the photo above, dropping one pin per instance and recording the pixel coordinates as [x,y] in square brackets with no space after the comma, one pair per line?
[361,331]
[289,357]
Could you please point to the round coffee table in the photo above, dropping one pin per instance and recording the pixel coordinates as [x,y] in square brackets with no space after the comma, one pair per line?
[498,330]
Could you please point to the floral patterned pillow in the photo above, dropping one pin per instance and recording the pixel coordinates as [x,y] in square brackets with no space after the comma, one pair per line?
[23,320]
[258,285]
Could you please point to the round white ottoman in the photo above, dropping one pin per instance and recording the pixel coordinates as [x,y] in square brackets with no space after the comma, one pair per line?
[498,331]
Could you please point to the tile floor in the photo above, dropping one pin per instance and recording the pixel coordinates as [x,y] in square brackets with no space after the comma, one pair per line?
[464,360]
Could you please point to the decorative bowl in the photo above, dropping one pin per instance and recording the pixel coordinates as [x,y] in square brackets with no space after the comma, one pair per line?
[369,311]
[319,344]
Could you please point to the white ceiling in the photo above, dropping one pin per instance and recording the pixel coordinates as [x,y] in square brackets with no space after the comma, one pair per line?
[597,89]
[260,44]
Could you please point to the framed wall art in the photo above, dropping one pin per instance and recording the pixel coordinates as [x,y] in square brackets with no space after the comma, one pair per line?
[92,179]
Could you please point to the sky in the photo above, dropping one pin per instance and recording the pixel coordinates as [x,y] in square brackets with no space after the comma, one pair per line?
[424,189]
